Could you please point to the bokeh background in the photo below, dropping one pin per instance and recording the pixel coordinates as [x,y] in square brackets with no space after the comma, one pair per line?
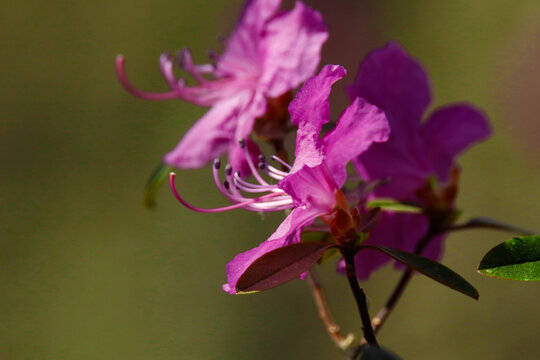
[86,272]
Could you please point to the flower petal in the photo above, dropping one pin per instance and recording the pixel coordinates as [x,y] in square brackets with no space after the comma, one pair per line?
[408,172]
[209,137]
[243,54]
[311,187]
[360,125]
[287,233]
[309,111]
[449,131]
[292,45]
[221,127]
[397,84]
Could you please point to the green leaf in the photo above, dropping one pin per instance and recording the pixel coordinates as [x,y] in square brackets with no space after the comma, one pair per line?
[154,182]
[377,353]
[281,265]
[514,259]
[430,268]
[394,205]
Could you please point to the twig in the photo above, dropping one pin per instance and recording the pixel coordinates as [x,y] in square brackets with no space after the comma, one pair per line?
[360,297]
[379,320]
[325,315]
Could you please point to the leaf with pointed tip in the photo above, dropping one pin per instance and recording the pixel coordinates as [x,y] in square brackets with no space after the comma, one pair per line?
[377,353]
[394,205]
[281,265]
[485,222]
[154,182]
[514,259]
[430,268]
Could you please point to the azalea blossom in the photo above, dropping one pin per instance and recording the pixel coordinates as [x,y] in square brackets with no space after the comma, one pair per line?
[311,186]
[417,152]
[269,53]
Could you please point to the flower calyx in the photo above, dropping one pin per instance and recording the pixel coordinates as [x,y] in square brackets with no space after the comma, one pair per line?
[343,222]
[438,202]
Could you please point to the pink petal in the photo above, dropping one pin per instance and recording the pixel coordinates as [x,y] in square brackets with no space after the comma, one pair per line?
[449,131]
[292,45]
[312,188]
[243,55]
[211,135]
[397,84]
[310,110]
[360,125]
[409,171]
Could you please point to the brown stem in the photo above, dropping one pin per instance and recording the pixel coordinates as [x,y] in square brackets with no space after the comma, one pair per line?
[325,315]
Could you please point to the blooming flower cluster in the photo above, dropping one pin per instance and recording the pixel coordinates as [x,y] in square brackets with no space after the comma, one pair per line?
[268,54]
[381,132]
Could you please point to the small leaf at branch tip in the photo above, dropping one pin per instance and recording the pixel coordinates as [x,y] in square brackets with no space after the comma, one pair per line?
[153,184]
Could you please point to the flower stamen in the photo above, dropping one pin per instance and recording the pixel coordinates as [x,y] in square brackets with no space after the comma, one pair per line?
[260,202]
[120,70]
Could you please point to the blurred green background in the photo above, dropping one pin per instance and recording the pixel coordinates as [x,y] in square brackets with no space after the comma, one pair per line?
[87,273]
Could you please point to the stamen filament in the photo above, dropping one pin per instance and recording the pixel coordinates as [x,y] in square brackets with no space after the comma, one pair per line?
[166,66]
[255,201]
[254,171]
[277,172]
[276,158]
[184,60]
[243,183]
[120,70]
[224,189]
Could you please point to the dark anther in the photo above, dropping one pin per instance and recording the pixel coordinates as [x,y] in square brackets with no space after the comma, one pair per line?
[228,169]
[217,163]
[226,184]
[242,143]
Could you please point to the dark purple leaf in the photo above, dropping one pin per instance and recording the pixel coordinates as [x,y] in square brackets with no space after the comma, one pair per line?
[431,269]
[281,265]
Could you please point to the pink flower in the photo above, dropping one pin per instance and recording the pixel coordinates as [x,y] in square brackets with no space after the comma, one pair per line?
[311,186]
[268,54]
[417,150]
